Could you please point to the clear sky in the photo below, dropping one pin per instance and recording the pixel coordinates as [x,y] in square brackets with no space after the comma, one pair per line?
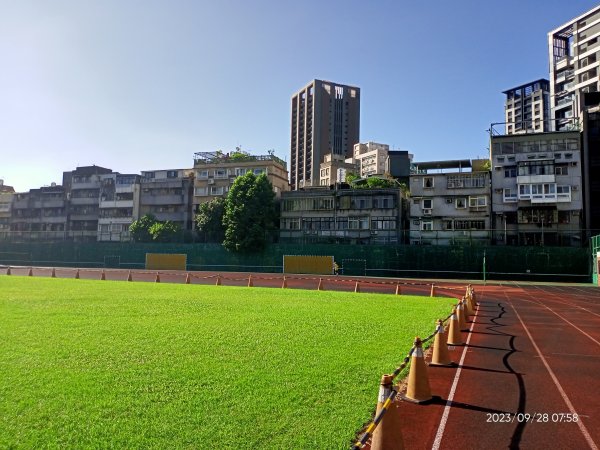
[138,85]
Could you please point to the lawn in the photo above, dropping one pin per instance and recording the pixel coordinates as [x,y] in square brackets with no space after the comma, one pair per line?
[144,365]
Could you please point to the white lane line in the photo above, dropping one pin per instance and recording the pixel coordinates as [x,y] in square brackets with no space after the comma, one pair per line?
[444,419]
[582,427]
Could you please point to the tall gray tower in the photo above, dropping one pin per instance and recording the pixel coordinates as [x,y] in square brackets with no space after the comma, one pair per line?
[325,119]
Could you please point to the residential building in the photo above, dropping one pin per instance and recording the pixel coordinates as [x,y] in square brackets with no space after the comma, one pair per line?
[168,195]
[591,163]
[325,119]
[536,195]
[39,214]
[6,197]
[215,172]
[334,169]
[574,55]
[82,187]
[372,158]
[119,205]
[353,216]
[527,108]
[450,202]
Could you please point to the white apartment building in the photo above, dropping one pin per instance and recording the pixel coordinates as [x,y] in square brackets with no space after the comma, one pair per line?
[574,56]
[119,206]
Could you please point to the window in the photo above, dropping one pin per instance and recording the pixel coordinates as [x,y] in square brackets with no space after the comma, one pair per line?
[290,224]
[217,190]
[220,173]
[561,169]
[358,223]
[171,174]
[427,225]
[259,171]
[469,225]
[509,195]
[427,203]
[461,203]
[447,224]
[563,192]
[477,202]
[202,174]
[239,171]
[510,172]
[383,223]
[428,182]
[200,191]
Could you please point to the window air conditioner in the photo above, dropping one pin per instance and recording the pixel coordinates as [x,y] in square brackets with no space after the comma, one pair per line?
[575,188]
[211,181]
[427,211]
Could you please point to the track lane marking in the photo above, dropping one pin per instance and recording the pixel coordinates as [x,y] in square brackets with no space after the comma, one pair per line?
[562,392]
[443,421]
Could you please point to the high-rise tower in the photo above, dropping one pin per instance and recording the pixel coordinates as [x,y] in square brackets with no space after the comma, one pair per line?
[325,119]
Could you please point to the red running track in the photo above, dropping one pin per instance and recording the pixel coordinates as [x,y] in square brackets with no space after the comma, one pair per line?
[530,366]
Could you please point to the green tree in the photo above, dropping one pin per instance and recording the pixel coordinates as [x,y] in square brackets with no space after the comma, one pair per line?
[140,229]
[209,220]
[249,213]
[166,231]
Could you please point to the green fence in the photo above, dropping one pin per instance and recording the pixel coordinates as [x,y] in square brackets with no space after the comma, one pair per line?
[508,263]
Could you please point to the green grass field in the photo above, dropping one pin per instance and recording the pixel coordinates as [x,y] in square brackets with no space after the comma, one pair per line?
[143,365]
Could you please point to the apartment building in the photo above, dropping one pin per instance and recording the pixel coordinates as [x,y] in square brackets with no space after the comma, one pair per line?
[39,214]
[119,206]
[574,56]
[354,216]
[215,172]
[168,195]
[325,120]
[372,158]
[334,168]
[82,188]
[591,163]
[536,195]
[450,202]
[6,197]
[527,108]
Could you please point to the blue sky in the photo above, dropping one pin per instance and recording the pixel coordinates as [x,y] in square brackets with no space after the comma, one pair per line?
[141,84]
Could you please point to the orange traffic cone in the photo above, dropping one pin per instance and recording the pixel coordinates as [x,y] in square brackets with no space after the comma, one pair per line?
[320,287]
[77,275]
[432,294]
[30,273]
[418,390]
[53,274]
[388,434]
[250,284]
[103,275]
[398,290]
[218,283]
[440,357]
[462,321]
[454,336]
[8,270]
[356,287]
[129,276]
[188,279]
[284,284]
[157,279]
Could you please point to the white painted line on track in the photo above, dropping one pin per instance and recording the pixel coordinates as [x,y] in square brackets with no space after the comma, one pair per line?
[444,419]
[582,427]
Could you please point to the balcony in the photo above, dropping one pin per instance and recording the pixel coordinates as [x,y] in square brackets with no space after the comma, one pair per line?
[563,62]
[84,201]
[173,199]
[116,204]
[535,179]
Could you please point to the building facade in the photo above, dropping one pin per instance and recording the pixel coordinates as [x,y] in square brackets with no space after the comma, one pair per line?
[325,119]
[168,195]
[334,168]
[119,206]
[40,214]
[591,163]
[536,196]
[450,203]
[574,56]
[527,108]
[353,216]
[215,172]
[6,198]
[82,188]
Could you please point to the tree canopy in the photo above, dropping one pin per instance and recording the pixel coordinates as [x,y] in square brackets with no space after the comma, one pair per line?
[209,220]
[249,213]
